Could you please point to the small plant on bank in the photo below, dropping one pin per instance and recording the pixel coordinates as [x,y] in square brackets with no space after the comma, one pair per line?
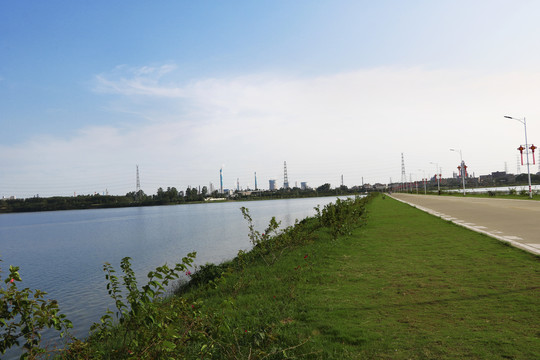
[24,314]
[341,216]
[144,326]
[262,242]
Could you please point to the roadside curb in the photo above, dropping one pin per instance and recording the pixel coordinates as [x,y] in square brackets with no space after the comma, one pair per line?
[461,223]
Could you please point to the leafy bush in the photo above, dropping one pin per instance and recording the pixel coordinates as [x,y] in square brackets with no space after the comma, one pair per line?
[24,314]
[342,215]
[143,325]
[262,242]
[205,274]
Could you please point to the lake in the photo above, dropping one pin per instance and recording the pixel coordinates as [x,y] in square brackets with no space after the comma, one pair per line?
[63,252]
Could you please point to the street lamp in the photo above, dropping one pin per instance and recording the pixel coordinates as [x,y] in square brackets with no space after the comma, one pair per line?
[411,183]
[424,180]
[524,122]
[462,169]
[437,171]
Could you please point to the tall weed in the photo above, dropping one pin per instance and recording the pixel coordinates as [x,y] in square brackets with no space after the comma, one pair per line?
[24,314]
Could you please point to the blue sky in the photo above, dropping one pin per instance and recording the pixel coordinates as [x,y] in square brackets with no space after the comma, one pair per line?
[88,90]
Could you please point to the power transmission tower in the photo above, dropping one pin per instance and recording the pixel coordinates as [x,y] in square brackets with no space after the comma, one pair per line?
[138,186]
[285,177]
[403,173]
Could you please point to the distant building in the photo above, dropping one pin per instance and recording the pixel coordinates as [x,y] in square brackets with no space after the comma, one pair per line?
[303,185]
[486,179]
[272,185]
[497,178]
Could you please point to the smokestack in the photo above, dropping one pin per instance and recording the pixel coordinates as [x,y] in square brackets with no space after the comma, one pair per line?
[221,180]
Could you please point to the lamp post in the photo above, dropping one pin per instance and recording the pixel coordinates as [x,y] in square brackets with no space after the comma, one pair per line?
[411,183]
[437,172]
[424,180]
[462,169]
[524,122]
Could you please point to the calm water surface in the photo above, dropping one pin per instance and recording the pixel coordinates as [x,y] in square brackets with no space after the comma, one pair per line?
[63,252]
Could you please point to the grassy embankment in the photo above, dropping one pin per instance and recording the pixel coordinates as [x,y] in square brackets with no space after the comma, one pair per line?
[406,285]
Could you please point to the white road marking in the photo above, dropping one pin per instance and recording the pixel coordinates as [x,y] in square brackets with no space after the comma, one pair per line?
[513,238]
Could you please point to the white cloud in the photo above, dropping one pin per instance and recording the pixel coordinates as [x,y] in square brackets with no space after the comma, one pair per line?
[354,123]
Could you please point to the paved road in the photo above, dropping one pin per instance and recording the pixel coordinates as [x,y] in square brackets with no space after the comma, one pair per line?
[515,221]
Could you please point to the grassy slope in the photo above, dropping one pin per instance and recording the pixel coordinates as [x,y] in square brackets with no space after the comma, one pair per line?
[415,286]
[406,285]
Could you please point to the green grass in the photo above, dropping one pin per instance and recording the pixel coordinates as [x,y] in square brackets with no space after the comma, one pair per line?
[406,285]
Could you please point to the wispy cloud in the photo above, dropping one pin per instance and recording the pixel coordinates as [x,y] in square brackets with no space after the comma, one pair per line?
[144,80]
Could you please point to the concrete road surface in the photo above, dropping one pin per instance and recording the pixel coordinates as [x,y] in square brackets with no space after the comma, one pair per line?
[514,221]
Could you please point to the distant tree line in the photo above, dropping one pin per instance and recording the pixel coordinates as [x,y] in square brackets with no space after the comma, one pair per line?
[169,196]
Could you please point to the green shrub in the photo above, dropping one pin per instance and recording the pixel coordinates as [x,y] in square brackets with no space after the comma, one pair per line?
[143,325]
[342,215]
[24,314]
[205,274]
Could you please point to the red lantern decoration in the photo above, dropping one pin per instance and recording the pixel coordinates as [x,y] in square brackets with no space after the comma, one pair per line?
[532,149]
[521,148]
